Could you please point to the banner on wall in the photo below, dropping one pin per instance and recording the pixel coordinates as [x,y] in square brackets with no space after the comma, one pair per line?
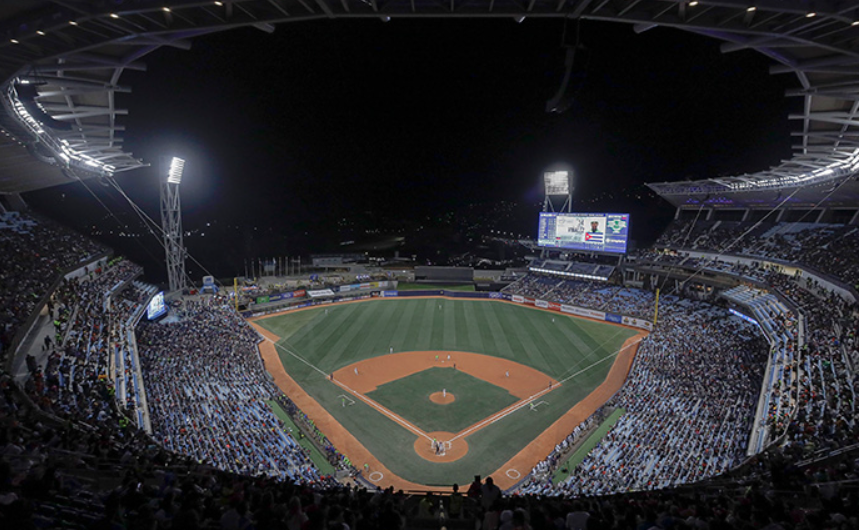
[572,310]
[582,312]
[638,323]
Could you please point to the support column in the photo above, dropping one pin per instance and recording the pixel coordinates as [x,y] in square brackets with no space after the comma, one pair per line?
[171,223]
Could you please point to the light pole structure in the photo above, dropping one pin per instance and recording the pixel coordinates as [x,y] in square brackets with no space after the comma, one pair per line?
[558,184]
[171,223]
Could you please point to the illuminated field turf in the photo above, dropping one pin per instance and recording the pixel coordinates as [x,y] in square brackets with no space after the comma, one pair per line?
[314,344]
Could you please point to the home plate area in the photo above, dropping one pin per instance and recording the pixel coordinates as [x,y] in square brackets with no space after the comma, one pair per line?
[443,397]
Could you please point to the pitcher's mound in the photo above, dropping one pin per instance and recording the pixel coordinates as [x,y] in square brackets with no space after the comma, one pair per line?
[440,398]
[452,450]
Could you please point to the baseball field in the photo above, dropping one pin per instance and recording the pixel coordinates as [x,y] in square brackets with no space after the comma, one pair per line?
[431,391]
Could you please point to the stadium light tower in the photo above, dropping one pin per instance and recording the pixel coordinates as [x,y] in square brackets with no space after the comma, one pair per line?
[558,182]
[171,223]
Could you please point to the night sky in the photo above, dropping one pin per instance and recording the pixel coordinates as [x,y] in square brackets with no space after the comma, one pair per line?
[294,139]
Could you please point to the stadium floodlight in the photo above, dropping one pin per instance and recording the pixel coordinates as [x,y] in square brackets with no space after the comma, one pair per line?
[171,223]
[557,182]
[174,175]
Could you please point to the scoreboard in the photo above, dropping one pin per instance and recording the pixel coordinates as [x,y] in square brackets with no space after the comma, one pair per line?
[588,232]
[156,307]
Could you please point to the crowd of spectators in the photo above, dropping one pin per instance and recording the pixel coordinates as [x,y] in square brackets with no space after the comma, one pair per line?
[75,380]
[831,249]
[814,390]
[689,406]
[782,328]
[545,469]
[597,295]
[826,409]
[47,470]
[207,391]
[35,250]
[691,383]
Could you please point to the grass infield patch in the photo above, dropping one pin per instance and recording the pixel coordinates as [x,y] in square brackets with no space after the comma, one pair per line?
[410,398]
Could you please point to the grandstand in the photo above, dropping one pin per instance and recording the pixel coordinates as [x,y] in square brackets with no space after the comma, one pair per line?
[739,409]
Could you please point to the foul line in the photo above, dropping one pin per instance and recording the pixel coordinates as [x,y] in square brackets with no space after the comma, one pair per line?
[477,426]
[384,411]
[594,349]
[360,396]
[516,406]
[300,358]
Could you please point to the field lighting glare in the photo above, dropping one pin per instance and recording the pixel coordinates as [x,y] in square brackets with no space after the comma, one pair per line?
[174,176]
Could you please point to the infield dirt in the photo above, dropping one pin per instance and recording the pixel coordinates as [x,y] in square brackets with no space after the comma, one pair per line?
[504,373]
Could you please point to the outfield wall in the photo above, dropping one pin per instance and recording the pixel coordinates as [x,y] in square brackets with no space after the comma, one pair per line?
[581,311]
[614,318]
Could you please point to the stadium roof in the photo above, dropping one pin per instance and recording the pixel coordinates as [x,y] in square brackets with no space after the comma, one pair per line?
[61,62]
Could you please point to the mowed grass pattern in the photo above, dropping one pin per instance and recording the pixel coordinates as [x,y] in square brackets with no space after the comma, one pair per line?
[409,397]
[563,347]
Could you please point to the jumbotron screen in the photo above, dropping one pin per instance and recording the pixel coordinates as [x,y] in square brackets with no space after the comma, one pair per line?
[589,232]
[156,306]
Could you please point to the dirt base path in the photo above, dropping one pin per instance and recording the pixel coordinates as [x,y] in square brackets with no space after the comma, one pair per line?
[342,439]
[518,467]
[447,453]
[520,380]
[507,374]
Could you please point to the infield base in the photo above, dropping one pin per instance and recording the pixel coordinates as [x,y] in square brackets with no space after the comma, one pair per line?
[452,450]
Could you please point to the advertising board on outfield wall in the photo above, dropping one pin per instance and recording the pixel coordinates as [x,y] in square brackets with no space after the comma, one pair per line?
[582,312]
[300,293]
[552,306]
[638,323]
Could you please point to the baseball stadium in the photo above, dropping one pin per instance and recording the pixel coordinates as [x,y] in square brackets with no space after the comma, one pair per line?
[438,372]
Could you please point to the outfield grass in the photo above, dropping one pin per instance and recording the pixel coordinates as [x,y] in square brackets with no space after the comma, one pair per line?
[565,348]
[475,399]
[402,286]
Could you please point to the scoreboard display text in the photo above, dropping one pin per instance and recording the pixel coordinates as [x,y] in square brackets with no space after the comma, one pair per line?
[589,232]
